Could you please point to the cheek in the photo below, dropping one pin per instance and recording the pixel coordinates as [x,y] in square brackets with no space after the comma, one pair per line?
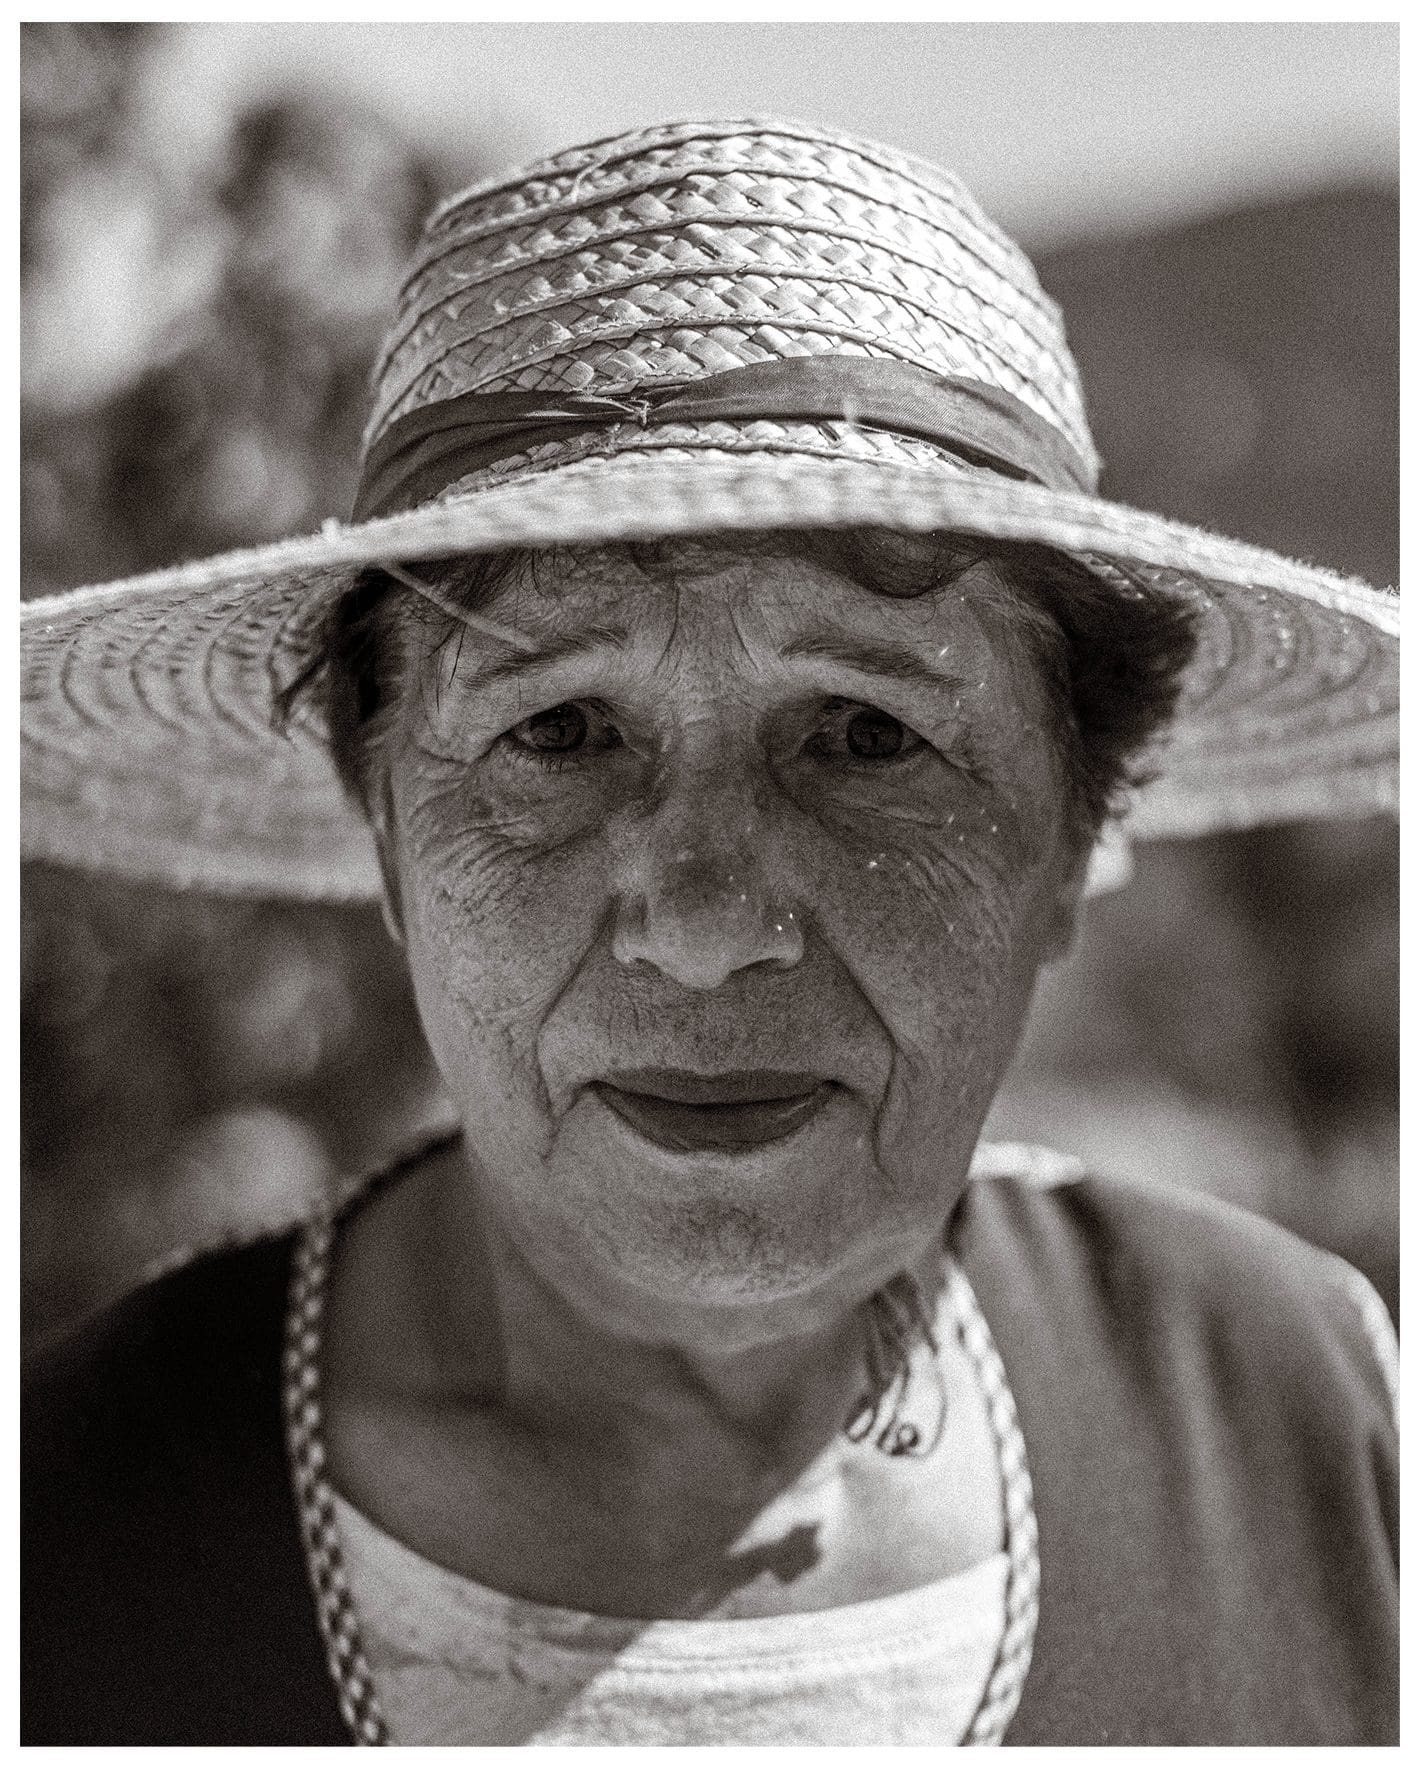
[937,933]
[938,926]
[944,890]
[499,917]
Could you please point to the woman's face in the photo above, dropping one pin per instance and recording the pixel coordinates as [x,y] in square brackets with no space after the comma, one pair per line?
[735,813]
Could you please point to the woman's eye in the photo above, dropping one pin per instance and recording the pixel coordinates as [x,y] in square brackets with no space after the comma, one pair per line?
[862,734]
[874,735]
[560,735]
[557,729]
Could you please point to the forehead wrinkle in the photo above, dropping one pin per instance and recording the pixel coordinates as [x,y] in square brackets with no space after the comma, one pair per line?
[565,592]
[555,649]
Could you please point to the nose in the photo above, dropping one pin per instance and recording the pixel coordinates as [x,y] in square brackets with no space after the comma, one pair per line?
[700,893]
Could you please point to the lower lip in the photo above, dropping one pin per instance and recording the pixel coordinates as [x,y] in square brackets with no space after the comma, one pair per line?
[743,1125]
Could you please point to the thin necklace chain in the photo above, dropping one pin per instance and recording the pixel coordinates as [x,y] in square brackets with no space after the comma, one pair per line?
[344,1651]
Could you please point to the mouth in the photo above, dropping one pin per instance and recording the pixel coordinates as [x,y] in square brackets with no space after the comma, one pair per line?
[737,1111]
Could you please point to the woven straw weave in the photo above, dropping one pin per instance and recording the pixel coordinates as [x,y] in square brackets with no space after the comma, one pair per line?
[666,255]
[710,250]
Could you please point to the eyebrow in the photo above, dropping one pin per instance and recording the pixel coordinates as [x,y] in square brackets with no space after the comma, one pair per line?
[874,657]
[553,651]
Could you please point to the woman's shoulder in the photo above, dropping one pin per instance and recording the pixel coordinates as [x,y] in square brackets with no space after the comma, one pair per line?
[153,1410]
[1213,1455]
[1147,1265]
[195,1336]
[212,1315]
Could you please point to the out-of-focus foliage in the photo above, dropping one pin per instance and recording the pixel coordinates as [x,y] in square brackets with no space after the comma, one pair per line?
[198,338]
[198,327]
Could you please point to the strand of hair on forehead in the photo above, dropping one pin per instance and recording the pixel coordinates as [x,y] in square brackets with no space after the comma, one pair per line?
[455,610]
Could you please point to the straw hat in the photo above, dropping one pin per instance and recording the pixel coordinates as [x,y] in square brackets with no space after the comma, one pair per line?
[694,327]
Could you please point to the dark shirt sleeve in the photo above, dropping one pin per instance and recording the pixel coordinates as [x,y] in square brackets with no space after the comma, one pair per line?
[164,1595]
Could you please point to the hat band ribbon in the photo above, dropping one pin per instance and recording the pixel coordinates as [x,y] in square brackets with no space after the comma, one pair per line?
[437,444]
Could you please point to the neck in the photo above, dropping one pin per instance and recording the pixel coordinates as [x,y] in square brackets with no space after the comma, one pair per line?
[575,1358]
[640,1460]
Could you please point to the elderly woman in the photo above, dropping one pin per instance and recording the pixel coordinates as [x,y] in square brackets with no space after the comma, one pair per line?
[725,683]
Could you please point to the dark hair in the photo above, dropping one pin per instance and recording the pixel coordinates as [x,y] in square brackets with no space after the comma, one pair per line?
[1110,645]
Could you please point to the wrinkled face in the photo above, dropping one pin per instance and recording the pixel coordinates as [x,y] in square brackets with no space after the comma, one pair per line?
[734,814]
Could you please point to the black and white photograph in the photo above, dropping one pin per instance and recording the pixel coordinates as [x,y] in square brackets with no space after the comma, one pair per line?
[709,883]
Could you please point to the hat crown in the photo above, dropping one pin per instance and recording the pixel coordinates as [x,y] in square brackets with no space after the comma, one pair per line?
[684,249]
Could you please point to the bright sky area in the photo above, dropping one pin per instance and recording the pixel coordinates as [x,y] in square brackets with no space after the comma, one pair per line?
[1062,130]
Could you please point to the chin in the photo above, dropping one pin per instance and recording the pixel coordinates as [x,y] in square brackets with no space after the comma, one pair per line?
[809,1215]
[742,1221]
[718,1248]
[711,1247]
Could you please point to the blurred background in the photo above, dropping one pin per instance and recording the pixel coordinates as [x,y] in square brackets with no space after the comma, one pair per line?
[214,218]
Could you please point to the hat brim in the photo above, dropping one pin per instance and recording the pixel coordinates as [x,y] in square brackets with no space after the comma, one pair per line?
[149,747]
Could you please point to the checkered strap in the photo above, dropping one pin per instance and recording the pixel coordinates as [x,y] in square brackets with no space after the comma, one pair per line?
[338,1622]
[1005,1686]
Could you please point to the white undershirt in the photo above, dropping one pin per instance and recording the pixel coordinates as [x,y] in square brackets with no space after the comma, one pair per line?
[456,1663]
